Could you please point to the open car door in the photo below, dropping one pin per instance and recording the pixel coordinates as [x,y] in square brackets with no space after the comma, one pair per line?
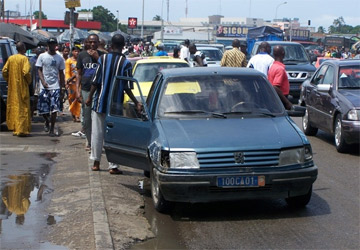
[127,131]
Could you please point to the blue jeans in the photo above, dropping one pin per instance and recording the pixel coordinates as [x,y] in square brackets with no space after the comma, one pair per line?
[86,114]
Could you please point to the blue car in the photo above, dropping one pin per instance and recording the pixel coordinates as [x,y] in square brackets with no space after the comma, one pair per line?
[211,134]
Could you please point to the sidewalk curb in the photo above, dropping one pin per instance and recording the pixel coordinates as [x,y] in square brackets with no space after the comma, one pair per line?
[103,239]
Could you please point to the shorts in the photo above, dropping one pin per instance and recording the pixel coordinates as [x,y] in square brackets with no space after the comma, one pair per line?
[49,101]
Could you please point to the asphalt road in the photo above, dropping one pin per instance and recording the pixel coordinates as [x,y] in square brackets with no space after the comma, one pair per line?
[330,221]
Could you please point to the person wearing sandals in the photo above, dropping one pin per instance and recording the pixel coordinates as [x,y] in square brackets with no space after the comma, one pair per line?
[51,73]
[110,65]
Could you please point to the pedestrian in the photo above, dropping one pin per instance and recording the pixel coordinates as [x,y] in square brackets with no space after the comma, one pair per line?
[65,51]
[161,50]
[17,74]
[102,45]
[35,80]
[197,58]
[146,52]
[234,57]
[70,84]
[176,52]
[110,65]
[86,67]
[278,77]
[262,61]
[51,72]
[184,52]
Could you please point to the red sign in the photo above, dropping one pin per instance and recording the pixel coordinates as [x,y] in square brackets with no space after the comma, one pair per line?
[132,22]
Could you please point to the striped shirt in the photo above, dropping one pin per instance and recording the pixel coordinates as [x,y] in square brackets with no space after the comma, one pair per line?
[110,65]
[233,58]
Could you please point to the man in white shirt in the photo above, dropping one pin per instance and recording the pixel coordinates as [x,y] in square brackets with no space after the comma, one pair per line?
[262,61]
[184,52]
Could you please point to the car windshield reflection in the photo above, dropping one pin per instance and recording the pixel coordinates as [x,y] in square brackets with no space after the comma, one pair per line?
[349,77]
[218,97]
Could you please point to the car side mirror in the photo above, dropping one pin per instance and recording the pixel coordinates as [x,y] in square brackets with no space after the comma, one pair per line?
[324,87]
[296,111]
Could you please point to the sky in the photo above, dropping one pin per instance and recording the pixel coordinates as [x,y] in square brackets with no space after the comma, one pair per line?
[320,12]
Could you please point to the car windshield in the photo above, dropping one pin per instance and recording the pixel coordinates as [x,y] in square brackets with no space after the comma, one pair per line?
[219,96]
[349,77]
[212,55]
[294,53]
[146,72]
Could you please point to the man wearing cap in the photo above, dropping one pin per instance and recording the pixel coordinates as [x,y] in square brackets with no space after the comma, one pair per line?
[51,73]
[161,52]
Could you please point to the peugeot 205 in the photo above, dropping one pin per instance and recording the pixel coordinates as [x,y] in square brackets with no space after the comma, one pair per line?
[211,134]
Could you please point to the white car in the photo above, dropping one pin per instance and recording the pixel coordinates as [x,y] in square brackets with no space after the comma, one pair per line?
[213,55]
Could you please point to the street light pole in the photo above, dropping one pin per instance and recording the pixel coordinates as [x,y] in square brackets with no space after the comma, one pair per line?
[277,8]
[142,21]
[117,21]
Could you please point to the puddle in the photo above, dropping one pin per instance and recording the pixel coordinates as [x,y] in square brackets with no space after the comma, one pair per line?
[25,193]
[162,225]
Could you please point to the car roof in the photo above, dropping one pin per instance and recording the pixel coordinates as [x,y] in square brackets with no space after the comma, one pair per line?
[346,62]
[207,48]
[160,59]
[196,71]
[280,42]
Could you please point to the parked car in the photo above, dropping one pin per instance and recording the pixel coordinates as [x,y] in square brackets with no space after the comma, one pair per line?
[321,59]
[220,46]
[213,55]
[145,70]
[7,48]
[212,134]
[297,63]
[332,100]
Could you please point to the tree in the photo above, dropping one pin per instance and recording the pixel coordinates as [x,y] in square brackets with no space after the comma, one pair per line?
[321,29]
[37,14]
[157,18]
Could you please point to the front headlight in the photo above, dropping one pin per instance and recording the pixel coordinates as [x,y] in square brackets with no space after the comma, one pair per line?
[184,160]
[354,115]
[295,156]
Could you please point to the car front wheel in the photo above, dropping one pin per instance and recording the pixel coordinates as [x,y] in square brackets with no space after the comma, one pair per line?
[161,205]
[308,129]
[340,144]
[299,201]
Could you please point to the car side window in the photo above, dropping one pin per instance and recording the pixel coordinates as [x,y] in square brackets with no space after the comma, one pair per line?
[318,78]
[329,76]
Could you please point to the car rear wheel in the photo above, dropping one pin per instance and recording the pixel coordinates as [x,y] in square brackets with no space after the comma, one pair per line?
[299,201]
[308,129]
[161,205]
[340,144]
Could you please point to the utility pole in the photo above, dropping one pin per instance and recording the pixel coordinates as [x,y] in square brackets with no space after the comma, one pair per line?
[142,21]
[168,3]
[40,15]
[186,8]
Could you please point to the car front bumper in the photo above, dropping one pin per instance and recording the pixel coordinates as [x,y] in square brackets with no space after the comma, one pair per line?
[351,130]
[203,188]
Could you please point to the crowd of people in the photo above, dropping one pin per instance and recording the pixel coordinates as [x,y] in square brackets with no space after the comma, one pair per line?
[83,75]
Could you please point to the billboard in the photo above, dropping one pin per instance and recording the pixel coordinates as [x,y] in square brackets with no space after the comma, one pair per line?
[231,31]
[72,3]
[132,23]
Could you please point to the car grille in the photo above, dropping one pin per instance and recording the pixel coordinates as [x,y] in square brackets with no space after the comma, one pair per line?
[292,75]
[255,158]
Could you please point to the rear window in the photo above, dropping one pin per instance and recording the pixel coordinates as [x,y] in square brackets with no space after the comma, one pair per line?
[146,72]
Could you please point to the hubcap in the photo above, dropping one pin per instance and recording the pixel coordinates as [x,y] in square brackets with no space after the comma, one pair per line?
[305,120]
[338,132]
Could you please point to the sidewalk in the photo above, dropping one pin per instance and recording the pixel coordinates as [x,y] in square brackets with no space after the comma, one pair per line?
[95,210]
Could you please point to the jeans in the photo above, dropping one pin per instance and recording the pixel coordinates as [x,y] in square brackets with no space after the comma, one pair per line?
[86,112]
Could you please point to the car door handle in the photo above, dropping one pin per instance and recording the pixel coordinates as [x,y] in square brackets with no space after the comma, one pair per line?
[110,124]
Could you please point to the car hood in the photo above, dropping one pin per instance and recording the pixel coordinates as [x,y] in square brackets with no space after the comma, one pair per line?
[352,95]
[212,134]
[296,66]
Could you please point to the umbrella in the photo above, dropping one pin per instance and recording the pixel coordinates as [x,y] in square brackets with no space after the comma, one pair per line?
[79,35]
[18,34]
[126,36]
[42,35]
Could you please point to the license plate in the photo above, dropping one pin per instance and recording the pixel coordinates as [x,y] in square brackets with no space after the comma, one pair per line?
[241,181]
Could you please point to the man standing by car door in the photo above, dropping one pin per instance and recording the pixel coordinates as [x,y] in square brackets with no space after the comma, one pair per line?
[278,77]
[86,67]
[110,65]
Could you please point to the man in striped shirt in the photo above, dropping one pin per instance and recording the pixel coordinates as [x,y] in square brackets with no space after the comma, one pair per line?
[234,57]
[110,65]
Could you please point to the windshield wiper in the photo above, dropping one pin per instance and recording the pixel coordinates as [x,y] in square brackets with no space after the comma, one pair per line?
[294,60]
[214,114]
[349,87]
[251,112]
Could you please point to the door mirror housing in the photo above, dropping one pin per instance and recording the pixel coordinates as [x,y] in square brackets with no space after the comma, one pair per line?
[296,111]
[324,87]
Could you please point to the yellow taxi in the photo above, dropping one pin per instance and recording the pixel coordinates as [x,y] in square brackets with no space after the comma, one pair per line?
[145,70]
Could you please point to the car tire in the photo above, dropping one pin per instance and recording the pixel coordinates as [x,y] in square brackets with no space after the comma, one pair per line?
[160,204]
[299,201]
[340,144]
[308,129]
